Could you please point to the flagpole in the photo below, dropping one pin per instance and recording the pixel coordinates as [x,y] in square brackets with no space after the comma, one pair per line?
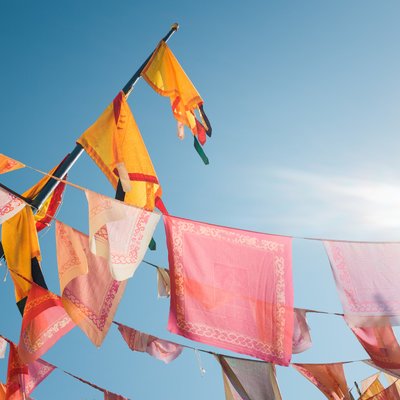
[72,157]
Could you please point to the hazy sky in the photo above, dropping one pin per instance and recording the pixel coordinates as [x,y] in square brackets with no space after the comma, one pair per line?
[303,97]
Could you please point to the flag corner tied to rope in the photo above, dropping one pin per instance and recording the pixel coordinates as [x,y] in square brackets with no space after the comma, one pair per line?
[367,278]
[165,75]
[8,164]
[115,144]
[44,322]
[248,379]
[119,232]
[231,288]
[163,350]
[328,378]
[90,295]
[301,332]
[22,378]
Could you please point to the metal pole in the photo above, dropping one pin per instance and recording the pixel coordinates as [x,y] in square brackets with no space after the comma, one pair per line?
[70,160]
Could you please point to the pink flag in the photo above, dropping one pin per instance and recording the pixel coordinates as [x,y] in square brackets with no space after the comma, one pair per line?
[328,378]
[119,232]
[249,380]
[231,288]
[22,379]
[161,349]
[89,293]
[301,332]
[381,345]
[9,205]
[44,322]
[3,347]
[367,277]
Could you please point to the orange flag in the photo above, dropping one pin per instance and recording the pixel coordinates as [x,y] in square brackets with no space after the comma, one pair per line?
[166,76]
[116,146]
[8,164]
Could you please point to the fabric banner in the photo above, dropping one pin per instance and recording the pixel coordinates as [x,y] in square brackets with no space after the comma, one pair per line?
[89,293]
[381,345]
[166,76]
[367,278]
[390,393]
[367,382]
[248,380]
[3,347]
[44,322]
[22,378]
[7,164]
[231,288]
[374,388]
[116,146]
[301,332]
[328,378]
[120,233]
[163,282]
[9,205]
[161,349]
[21,250]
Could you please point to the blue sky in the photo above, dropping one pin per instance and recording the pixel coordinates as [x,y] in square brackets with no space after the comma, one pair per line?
[303,98]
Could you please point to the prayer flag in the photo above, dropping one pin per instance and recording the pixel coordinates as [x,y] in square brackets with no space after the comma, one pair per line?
[381,345]
[231,288]
[301,332]
[22,253]
[248,380]
[44,322]
[116,146]
[3,347]
[166,76]
[89,293]
[390,393]
[22,378]
[163,282]
[366,383]
[120,233]
[367,278]
[374,388]
[9,205]
[328,378]
[7,164]
[161,349]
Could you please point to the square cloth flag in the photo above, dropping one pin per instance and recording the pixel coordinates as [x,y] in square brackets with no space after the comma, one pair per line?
[231,288]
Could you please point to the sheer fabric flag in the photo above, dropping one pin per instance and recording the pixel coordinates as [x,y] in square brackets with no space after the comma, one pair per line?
[3,347]
[115,144]
[381,345]
[367,382]
[22,378]
[161,349]
[328,378]
[231,288]
[248,380]
[166,76]
[374,388]
[120,233]
[9,205]
[163,282]
[367,278]
[89,293]
[392,380]
[44,322]
[301,332]
[22,252]
[7,164]
[391,371]
[389,393]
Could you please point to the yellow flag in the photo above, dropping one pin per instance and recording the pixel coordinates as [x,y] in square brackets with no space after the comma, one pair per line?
[8,164]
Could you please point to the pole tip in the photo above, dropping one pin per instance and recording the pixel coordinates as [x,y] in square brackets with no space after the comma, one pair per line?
[175,26]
